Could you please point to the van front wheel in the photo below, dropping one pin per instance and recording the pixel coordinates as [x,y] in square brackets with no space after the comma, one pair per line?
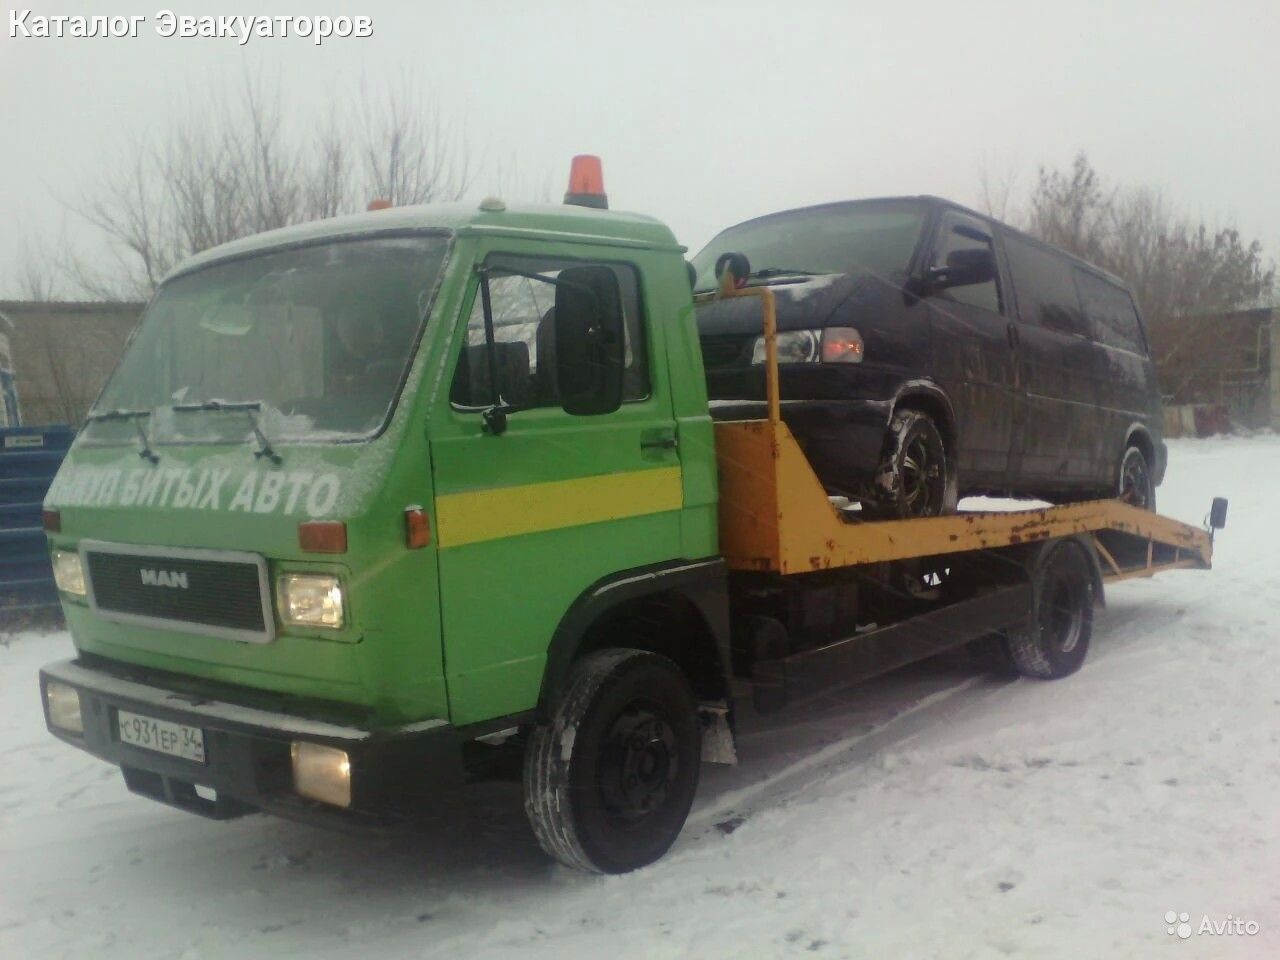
[609,780]
[916,477]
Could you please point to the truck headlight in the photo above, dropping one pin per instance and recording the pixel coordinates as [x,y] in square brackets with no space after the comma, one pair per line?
[311,600]
[68,572]
[321,773]
[828,345]
[64,707]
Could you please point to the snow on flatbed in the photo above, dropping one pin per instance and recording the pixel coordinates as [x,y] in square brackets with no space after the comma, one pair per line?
[930,813]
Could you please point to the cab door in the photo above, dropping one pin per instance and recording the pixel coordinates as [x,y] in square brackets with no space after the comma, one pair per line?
[536,505]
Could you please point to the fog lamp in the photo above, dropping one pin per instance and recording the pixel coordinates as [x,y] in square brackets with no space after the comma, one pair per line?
[64,707]
[322,773]
[68,572]
[311,600]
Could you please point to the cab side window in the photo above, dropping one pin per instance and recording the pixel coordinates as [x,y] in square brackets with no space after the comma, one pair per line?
[956,235]
[1110,312]
[1045,287]
[524,333]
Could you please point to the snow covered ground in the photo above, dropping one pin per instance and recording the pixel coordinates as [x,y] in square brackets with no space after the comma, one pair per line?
[931,813]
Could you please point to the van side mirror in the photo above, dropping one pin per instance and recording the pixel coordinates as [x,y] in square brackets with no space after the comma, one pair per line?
[964,268]
[590,340]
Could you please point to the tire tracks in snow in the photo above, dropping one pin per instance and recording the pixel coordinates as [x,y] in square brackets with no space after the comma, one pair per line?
[744,802]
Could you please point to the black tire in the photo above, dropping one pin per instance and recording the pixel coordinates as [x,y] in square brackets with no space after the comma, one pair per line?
[915,477]
[1135,485]
[1056,642]
[990,654]
[609,781]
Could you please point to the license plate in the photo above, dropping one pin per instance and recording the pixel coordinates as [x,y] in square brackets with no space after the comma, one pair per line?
[174,739]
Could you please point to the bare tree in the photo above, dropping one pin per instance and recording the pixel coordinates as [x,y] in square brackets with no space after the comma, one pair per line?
[996,191]
[507,179]
[37,269]
[1183,272]
[237,167]
[411,155]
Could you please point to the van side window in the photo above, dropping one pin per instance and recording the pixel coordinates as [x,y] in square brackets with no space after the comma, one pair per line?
[955,235]
[1045,287]
[1110,312]
[524,336]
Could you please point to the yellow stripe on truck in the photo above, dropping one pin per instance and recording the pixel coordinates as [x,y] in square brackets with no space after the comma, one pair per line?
[499,512]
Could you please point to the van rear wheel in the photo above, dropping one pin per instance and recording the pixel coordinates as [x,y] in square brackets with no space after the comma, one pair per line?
[1136,485]
[609,781]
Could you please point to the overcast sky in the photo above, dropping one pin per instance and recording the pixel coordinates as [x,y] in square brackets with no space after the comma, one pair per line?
[707,113]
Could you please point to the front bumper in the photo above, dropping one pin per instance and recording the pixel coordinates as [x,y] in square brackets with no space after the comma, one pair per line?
[843,439]
[247,766]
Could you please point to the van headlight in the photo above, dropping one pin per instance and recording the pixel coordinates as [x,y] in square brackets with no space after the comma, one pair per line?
[311,600]
[68,572]
[828,345]
[794,346]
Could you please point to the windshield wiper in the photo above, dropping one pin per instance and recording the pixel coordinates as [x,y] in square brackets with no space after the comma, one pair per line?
[780,272]
[137,416]
[251,408]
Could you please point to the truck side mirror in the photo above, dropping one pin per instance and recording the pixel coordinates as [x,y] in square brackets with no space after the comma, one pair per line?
[1218,513]
[964,268]
[590,340]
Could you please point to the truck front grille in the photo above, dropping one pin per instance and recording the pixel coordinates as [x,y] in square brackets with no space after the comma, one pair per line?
[214,592]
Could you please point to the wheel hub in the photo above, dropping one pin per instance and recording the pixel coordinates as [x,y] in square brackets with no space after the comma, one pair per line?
[639,764]
[1062,617]
[920,478]
[1135,484]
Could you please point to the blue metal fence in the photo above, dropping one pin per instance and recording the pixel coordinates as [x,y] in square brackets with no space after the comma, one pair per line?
[29,458]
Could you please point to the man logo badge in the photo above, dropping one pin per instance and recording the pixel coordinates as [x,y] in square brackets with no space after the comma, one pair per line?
[164,578]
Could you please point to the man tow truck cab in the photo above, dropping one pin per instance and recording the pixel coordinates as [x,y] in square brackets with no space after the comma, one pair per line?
[381,504]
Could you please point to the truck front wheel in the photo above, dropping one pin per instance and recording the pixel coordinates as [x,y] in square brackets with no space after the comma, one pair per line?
[609,780]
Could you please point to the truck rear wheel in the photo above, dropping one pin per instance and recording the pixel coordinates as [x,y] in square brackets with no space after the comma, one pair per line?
[1056,641]
[609,781]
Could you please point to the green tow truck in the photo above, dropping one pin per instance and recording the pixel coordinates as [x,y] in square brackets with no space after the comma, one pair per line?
[378,505]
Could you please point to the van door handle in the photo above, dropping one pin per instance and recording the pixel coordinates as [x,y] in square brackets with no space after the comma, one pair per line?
[1013,337]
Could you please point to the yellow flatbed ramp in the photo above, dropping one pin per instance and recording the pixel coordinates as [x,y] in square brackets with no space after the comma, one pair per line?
[775,516]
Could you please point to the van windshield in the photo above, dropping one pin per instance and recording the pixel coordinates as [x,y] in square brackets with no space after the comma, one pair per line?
[320,336]
[872,236]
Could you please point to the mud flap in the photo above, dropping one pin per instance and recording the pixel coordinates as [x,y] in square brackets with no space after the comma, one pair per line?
[717,735]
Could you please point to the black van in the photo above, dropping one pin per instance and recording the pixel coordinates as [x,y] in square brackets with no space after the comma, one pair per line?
[928,352]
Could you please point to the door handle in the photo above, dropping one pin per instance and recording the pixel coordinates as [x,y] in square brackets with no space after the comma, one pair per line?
[668,442]
[1013,336]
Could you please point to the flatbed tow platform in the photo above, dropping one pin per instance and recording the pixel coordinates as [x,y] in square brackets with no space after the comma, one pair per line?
[825,598]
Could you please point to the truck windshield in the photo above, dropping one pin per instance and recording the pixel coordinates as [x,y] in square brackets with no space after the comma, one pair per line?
[320,337]
[873,236]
